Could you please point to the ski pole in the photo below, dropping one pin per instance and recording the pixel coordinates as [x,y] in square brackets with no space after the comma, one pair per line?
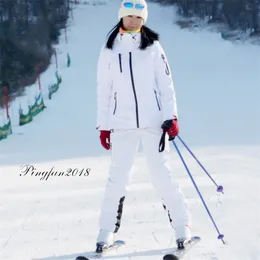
[219,187]
[220,236]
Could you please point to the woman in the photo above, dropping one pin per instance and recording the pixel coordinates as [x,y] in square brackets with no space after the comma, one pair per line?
[136,101]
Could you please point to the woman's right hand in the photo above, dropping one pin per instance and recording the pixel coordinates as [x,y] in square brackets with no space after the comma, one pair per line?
[105,139]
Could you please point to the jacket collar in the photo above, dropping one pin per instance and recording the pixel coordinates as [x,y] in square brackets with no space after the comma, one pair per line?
[128,40]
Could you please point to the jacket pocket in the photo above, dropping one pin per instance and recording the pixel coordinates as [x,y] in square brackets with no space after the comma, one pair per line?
[120,62]
[156,97]
[115,106]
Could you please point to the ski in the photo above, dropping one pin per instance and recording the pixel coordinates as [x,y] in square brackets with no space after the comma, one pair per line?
[180,253]
[102,251]
[172,254]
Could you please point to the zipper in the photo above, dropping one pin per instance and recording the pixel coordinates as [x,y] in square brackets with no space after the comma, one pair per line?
[115,103]
[155,93]
[133,85]
[167,70]
[120,62]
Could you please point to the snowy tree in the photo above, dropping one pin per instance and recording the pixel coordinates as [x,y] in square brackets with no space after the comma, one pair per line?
[28,29]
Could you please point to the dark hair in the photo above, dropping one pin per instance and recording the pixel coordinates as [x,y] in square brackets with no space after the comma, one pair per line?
[148,36]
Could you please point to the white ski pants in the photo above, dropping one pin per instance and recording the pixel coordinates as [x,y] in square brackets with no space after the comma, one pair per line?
[124,147]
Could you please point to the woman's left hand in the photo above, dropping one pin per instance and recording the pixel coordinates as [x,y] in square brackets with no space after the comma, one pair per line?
[174,128]
[171,127]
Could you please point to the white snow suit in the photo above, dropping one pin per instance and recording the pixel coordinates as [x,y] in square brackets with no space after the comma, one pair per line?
[135,88]
[135,94]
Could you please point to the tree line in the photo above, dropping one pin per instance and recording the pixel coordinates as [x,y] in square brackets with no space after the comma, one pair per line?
[237,14]
[28,30]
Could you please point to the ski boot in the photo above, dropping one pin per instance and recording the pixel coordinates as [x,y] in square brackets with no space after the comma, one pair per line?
[104,241]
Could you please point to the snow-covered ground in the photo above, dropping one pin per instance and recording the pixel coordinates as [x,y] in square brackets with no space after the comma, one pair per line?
[217,85]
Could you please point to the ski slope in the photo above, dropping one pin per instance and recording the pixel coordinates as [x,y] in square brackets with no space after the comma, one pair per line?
[217,85]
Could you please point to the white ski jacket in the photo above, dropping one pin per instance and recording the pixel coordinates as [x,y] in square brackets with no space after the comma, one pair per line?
[134,87]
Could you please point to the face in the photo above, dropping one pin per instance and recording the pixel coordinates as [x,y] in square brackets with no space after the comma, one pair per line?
[132,22]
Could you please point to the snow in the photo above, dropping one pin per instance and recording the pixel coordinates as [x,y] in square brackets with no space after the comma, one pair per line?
[217,85]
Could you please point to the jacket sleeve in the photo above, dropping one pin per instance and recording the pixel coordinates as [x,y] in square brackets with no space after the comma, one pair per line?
[165,84]
[104,87]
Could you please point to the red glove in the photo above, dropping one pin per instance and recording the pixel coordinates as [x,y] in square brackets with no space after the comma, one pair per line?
[171,127]
[174,128]
[105,139]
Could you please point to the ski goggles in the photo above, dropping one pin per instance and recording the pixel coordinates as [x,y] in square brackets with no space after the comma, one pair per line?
[136,6]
